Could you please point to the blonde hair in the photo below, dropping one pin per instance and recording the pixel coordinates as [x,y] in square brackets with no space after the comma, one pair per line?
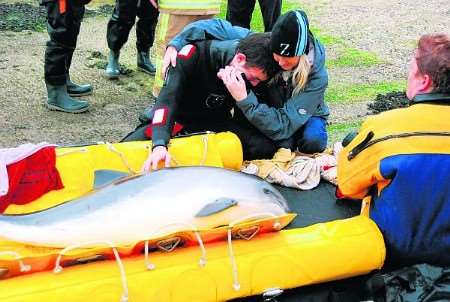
[300,74]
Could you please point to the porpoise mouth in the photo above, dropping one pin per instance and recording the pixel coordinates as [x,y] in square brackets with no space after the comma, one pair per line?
[278,198]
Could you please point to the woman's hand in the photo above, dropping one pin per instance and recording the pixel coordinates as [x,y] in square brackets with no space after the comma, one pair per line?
[154,3]
[234,82]
[170,57]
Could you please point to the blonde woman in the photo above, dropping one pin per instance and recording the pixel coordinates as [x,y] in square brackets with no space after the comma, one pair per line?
[291,109]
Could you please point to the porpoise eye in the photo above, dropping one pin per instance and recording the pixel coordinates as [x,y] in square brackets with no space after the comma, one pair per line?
[267,191]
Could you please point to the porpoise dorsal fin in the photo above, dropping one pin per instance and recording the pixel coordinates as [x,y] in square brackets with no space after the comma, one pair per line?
[218,205]
[105,177]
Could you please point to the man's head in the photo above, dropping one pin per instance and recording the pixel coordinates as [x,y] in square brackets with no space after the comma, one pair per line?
[254,58]
[429,69]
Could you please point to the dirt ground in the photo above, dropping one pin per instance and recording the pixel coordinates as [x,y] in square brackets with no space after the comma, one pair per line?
[387,28]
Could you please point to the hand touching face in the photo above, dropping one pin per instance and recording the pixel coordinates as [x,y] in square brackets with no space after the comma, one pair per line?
[233,80]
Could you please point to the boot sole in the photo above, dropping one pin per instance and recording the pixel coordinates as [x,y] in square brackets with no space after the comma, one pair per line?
[79,94]
[146,71]
[56,108]
[111,76]
[108,77]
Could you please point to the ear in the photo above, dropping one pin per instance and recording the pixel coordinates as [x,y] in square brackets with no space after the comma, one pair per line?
[426,84]
[241,58]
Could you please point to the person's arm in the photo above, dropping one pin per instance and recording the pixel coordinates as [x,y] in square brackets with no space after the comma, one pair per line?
[357,175]
[209,29]
[282,123]
[166,106]
[201,30]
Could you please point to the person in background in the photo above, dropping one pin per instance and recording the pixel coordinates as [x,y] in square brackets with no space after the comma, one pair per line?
[400,162]
[293,113]
[239,13]
[63,26]
[174,16]
[194,98]
[119,26]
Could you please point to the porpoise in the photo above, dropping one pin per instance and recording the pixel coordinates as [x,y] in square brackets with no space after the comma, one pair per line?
[138,208]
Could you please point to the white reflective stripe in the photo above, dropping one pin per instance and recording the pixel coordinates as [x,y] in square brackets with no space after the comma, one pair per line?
[158,117]
[185,50]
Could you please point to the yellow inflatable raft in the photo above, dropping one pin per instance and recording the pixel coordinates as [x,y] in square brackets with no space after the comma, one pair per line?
[242,265]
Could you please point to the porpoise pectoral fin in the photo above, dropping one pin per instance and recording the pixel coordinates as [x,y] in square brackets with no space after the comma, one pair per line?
[216,206]
[105,177]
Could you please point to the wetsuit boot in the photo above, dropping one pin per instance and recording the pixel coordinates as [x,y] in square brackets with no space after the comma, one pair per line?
[144,64]
[59,99]
[77,90]
[113,68]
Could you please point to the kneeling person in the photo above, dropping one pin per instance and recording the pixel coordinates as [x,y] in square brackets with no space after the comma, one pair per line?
[196,99]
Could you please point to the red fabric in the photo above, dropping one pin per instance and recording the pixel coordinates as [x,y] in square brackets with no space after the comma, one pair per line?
[62,6]
[186,52]
[324,168]
[31,178]
[339,194]
[176,128]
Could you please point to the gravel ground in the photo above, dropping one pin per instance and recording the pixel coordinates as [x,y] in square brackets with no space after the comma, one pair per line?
[387,28]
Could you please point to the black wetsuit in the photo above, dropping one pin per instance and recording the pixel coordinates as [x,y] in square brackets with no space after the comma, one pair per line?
[196,98]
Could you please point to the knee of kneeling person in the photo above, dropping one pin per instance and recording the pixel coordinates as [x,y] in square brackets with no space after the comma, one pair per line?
[312,145]
[260,151]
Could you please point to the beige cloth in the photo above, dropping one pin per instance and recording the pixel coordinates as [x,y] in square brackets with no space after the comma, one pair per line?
[290,169]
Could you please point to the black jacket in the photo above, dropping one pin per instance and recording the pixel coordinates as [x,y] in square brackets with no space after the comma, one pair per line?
[192,94]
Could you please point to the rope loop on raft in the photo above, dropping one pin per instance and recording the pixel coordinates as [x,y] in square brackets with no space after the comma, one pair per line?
[58,268]
[234,269]
[23,267]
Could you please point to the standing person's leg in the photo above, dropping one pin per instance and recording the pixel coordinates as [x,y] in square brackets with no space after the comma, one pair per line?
[312,137]
[63,26]
[169,25]
[72,88]
[239,12]
[271,10]
[119,26]
[145,35]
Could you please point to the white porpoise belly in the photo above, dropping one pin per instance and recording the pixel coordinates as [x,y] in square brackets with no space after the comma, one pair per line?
[144,207]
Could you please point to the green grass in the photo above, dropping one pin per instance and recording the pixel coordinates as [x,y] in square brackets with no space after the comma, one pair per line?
[326,39]
[352,57]
[336,132]
[361,92]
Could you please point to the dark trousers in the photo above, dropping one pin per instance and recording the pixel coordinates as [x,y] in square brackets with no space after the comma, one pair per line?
[63,29]
[239,12]
[122,20]
[254,144]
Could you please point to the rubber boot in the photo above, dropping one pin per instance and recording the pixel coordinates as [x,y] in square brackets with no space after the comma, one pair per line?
[144,64]
[77,90]
[113,68]
[59,99]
